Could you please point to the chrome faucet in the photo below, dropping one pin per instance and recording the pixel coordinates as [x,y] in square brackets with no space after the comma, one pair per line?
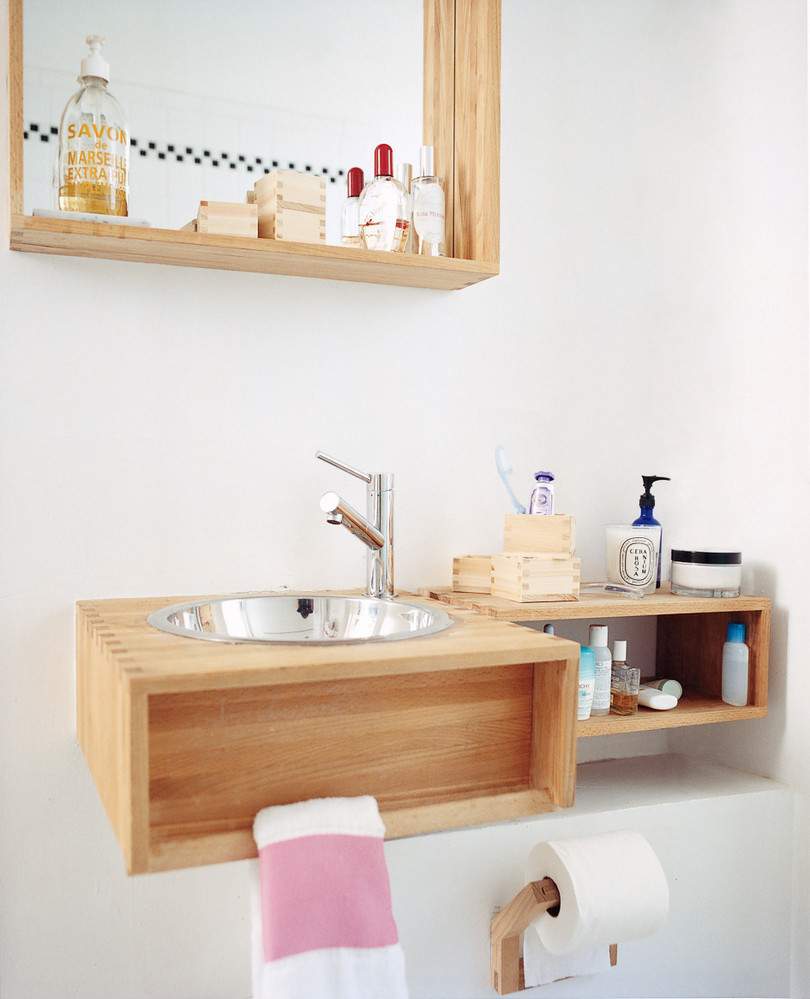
[376,530]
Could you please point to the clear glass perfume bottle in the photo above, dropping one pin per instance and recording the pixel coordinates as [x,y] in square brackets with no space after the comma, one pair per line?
[404,174]
[428,208]
[350,216]
[384,208]
[92,170]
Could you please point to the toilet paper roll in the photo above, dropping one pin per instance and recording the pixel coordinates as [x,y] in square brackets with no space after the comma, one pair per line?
[612,888]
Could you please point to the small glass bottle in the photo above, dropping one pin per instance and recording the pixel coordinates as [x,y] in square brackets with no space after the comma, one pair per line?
[384,210]
[734,679]
[624,681]
[92,168]
[404,174]
[542,499]
[349,217]
[428,208]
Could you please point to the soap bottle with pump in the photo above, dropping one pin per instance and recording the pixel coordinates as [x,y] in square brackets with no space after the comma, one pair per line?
[92,168]
[429,210]
[350,217]
[645,519]
[384,206]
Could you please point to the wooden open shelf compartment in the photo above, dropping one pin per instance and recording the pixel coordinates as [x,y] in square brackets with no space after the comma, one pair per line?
[187,740]
[461,119]
[690,632]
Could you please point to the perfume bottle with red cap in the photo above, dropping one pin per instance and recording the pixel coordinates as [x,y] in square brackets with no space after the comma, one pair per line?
[350,216]
[384,206]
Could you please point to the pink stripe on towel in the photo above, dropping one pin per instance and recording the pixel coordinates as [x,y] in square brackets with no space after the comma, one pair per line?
[328,890]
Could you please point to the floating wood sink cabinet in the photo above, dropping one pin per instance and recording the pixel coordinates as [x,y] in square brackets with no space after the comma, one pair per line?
[187,740]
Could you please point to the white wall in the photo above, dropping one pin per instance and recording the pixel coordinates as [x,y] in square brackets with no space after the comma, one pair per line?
[158,429]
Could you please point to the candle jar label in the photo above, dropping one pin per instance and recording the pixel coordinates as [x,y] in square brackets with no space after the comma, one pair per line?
[637,561]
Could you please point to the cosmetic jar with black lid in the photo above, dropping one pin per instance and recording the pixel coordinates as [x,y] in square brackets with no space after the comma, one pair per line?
[706,573]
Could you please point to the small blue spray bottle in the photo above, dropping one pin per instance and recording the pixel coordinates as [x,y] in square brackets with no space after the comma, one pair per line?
[647,503]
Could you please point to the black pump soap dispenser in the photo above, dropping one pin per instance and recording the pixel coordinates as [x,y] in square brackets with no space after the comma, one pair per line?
[646,503]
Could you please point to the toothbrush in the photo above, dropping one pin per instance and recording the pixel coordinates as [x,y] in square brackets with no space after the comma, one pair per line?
[504,469]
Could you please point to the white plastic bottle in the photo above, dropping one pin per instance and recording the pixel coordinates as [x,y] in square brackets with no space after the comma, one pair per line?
[735,666]
[92,169]
[603,661]
[586,682]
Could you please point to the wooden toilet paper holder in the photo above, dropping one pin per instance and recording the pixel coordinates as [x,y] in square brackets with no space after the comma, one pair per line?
[510,922]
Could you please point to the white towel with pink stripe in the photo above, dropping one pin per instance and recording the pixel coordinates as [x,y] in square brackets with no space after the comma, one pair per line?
[323,927]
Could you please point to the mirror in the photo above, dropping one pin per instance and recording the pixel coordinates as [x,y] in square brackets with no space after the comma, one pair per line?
[215,94]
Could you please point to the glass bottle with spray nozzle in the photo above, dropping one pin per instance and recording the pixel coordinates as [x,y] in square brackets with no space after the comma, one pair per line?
[429,211]
[384,206]
[350,217]
[92,167]
[404,174]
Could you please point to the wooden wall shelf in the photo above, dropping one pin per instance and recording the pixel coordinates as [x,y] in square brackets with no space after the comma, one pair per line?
[75,238]
[187,740]
[461,120]
[690,632]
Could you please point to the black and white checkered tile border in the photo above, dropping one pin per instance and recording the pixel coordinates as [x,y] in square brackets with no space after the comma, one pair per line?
[179,153]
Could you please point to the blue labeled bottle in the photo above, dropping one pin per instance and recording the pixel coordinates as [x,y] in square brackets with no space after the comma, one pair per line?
[587,679]
[647,504]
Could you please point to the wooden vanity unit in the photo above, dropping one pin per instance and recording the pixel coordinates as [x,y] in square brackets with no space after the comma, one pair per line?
[188,739]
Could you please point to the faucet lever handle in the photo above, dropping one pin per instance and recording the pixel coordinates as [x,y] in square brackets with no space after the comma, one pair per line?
[365,476]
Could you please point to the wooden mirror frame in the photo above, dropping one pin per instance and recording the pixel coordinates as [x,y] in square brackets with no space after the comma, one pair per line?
[461,120]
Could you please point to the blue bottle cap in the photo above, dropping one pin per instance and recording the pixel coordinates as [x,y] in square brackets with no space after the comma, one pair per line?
[735,632]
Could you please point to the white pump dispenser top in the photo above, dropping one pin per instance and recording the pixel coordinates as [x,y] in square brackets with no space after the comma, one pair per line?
[94,64]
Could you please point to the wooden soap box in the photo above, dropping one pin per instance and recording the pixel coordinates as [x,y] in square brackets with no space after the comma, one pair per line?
[536,564]
[225,218]
[472,574]
[535,578]
[538,534]
[292,206]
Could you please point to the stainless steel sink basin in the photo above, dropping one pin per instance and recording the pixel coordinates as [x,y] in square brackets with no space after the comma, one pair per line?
[311,618]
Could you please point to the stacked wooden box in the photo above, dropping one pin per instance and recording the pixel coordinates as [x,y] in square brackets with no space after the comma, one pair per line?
[292,206]
[225,218]
[537,563]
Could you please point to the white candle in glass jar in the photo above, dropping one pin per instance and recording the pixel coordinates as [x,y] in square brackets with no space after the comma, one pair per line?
[632,555]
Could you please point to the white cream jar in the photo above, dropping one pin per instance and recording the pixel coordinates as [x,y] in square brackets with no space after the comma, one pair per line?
[706,573]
